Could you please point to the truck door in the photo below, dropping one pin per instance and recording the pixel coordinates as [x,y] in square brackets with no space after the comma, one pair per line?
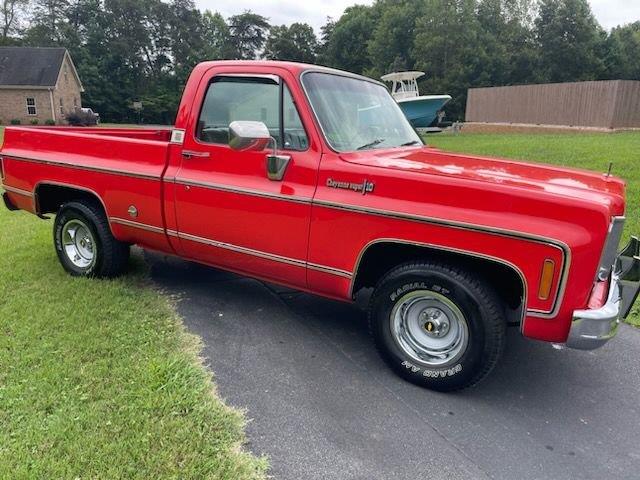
[229,213]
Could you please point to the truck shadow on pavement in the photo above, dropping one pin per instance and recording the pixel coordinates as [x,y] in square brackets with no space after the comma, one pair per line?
[301,363]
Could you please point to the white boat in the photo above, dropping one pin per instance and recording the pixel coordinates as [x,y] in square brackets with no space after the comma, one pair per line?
[421,110]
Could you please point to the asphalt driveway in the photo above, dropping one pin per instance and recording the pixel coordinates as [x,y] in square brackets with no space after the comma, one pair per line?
[322,405]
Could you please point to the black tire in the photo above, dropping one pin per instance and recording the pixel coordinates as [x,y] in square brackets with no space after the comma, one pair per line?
[456,291]
[109,256]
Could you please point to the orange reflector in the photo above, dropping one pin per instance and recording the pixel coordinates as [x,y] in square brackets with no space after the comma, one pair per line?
[546,279]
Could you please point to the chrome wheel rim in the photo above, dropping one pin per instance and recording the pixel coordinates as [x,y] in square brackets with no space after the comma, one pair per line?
[78,244]
[429,328]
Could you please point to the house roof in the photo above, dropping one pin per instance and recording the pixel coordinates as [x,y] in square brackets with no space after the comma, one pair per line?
[30,67]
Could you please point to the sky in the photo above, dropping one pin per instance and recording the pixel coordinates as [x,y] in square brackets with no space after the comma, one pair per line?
[314,12]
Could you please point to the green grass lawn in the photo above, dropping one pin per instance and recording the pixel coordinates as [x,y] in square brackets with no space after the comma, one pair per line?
[98,379]
[592,151]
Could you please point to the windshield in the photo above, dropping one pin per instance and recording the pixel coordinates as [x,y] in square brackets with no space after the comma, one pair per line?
[356,114]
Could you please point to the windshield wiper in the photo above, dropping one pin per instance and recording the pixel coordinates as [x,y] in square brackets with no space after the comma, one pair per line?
[412,142]
[375,142]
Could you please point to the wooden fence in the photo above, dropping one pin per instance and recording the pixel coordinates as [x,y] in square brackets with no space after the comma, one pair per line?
[604,104]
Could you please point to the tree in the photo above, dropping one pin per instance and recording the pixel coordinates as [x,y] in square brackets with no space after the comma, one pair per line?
[570,40]
[11,12]
[248,34]
[48,21]
[623,52]
[216,36]
[506,32]
[326,31]
[392,40]
[449,46]
[347,46]
[296,43]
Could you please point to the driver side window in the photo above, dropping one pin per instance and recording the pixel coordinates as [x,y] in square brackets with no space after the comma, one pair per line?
[229,99]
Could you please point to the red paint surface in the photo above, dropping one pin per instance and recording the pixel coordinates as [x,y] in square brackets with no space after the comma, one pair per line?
[516,212]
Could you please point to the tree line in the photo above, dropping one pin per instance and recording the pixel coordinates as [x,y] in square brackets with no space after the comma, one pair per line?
[143,50]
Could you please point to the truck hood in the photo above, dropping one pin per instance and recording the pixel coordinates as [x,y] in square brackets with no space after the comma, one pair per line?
[567,182]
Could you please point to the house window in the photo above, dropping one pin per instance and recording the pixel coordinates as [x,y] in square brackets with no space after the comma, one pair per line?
[66,76]
[75,102]
[31,106]
[61,107]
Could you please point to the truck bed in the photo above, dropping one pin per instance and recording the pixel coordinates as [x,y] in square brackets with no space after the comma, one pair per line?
[122,166]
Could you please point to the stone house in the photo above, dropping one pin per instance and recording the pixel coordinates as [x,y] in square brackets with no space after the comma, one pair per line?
[37,85]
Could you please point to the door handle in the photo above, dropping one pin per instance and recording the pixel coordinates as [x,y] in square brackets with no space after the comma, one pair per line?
[194,154]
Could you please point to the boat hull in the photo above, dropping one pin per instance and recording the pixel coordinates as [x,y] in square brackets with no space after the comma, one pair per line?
[422,112]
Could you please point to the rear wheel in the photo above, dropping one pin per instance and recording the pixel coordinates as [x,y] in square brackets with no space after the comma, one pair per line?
[437,325]
[84,242]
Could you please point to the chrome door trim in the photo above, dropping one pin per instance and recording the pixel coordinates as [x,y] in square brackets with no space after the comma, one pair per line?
[245,250]
[235,248]
[241,190]
[141,226]
[112,171]
[330,270]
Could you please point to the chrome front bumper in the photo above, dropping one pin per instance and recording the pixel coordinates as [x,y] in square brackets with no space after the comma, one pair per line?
[593,328]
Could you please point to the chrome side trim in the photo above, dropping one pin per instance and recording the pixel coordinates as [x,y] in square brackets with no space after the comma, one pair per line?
[240,190]
[245,250]
[112,171]
[231,247]
[330,270]
[563,247]
[447,249]
[18,191]
[141,226]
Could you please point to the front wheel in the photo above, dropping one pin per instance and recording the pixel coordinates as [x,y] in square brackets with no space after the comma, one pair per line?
[437,325]
[84,242]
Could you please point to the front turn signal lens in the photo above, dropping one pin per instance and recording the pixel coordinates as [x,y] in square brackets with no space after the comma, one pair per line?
[546,279]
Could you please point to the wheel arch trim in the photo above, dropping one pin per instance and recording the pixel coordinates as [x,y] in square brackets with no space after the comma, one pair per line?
[458,251]
[53,183]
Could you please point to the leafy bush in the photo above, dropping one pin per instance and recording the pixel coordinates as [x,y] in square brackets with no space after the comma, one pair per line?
[79,118]
[49,122]
[15,121]
[34,122]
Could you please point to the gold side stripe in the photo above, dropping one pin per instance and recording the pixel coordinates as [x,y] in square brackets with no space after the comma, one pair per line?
[141,226]
[231,247]
[90,168]
[563,247]
[244,191]
[330,270]
[18,191]
[248,251]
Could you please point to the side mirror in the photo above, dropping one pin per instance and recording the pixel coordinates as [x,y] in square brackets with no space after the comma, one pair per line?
[248,136]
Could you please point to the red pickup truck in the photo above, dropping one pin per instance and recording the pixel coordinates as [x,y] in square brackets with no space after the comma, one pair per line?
[313,178]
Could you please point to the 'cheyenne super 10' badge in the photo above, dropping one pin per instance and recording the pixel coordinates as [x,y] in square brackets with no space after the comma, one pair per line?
[364,187]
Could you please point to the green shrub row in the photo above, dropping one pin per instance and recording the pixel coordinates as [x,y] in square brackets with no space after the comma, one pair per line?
[15,121]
